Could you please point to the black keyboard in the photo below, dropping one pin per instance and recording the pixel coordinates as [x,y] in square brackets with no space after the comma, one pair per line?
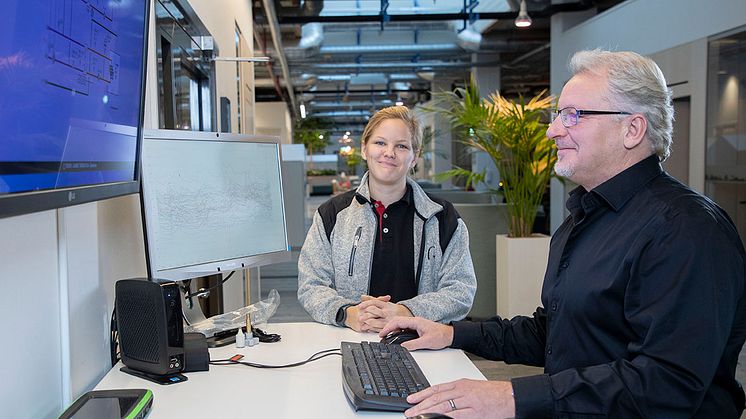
[377,376]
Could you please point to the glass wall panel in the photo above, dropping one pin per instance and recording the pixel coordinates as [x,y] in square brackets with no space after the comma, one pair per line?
[184,86]
[725,171]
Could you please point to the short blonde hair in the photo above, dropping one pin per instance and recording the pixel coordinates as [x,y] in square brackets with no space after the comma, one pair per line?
[396,112]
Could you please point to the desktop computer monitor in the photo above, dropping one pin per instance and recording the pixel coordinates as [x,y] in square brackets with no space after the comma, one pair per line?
[212,202]
[72,82]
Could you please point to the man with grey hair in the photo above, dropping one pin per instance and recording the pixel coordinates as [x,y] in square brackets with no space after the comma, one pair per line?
[643,311]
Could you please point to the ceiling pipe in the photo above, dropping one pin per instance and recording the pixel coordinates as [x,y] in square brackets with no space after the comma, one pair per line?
[546,12]
[432,64]
[274,30]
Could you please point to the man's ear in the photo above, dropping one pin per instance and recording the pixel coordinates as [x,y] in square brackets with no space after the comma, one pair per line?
[635,130]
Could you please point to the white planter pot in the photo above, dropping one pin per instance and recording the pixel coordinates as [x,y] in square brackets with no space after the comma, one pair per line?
[520,264]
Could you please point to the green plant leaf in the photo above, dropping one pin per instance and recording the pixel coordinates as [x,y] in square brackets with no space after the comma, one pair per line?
[513,134]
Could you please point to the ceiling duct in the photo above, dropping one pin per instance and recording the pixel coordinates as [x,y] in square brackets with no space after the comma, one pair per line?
[425,65]
[348,77]
[426,75]
[312,35]
[305,80]
[337,114]
[351,104]
[306,97]
[469,39]
[368,78]
[393,48]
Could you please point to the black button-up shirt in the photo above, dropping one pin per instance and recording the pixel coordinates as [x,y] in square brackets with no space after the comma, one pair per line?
[643,308]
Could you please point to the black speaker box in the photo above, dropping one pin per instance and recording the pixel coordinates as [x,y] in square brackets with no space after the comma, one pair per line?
[149,321]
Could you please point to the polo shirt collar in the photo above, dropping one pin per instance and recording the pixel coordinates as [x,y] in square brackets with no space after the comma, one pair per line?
[425,206]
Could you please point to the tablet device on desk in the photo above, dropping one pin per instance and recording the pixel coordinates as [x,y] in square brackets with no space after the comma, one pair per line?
[111,404]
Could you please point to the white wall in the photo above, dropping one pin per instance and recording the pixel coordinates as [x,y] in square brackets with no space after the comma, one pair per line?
[653,28]
[273,118]
[30,317]
[58,268]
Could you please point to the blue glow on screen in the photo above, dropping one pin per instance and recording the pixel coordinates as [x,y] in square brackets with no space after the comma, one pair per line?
[70,92]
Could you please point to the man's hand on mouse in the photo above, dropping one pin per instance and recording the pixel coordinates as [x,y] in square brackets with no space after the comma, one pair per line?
[465,398]
[375,312]
[432,335]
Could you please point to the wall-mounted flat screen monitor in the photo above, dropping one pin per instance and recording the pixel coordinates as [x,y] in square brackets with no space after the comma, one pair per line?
[211,203]
[72,80]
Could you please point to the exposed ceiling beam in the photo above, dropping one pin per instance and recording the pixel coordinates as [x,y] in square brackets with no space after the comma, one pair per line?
[263,47]
[274,30]
[531,53]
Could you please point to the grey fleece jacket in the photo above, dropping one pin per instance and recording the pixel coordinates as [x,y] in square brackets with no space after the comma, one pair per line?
[334,266]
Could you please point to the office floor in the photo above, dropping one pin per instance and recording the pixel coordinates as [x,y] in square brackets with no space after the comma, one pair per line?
[284,278]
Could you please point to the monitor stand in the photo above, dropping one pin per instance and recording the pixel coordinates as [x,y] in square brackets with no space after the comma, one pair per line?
[193,314]
[190,307]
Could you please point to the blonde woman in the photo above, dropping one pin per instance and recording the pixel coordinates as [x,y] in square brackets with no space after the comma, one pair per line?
[387,248]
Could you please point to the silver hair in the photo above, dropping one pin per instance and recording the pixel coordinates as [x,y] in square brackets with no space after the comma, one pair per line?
[637,85]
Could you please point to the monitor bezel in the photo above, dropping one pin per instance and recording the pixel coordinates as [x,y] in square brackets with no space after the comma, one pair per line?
[15,204]
[184,273]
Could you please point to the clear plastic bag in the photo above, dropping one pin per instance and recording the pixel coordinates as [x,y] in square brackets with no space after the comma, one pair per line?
[260,312]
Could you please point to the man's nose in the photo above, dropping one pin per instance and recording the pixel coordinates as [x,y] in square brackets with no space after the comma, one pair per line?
[556,129]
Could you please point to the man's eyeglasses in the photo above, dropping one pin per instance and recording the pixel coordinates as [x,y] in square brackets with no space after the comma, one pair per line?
[570,116]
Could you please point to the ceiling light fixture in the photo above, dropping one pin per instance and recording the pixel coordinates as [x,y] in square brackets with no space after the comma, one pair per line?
[523,20]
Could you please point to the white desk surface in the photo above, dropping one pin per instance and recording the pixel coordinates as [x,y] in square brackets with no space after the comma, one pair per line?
[313,390]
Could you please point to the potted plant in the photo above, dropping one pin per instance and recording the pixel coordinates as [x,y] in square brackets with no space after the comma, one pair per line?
[513,134]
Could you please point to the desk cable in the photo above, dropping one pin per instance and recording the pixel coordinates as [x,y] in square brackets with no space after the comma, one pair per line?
[204,291]
[236,359]
[113,338]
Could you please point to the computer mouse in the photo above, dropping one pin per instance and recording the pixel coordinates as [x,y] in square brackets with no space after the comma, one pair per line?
[400,336]
[430,416]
